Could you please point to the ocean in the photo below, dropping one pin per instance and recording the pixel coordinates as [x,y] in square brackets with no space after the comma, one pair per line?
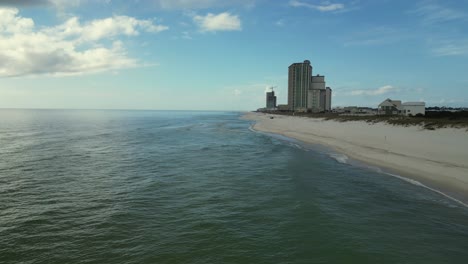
[92,186]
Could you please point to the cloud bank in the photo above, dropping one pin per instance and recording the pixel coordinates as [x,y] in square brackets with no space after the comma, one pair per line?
[221,22]
[67,49]
[433,13]
[57,3]
[451,48]
[324,7]
[201,4]
[380,91]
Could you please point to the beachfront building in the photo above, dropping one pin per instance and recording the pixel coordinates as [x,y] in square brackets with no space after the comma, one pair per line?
[328,97]
[316,94]
[313,100]
[307,92]
[390,107]
[414,108]
[299,83]
[283,108]
[319,96]
[395,107]
[270,100]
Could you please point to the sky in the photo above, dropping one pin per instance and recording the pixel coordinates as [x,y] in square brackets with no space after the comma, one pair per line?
[224,55]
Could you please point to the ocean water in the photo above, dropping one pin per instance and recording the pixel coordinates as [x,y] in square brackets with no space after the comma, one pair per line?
[201,187]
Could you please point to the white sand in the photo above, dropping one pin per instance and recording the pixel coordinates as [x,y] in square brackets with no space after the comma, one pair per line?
[436,158]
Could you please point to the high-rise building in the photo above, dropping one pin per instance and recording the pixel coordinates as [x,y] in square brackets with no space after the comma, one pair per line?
[328,97]
[313,100]
[299,82]
[270,100]
[316,95]
[318,82]
[307,92]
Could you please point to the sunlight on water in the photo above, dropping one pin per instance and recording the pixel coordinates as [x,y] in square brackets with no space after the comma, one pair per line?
[201,187]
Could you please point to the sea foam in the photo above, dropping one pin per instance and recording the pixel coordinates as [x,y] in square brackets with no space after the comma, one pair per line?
[340,158]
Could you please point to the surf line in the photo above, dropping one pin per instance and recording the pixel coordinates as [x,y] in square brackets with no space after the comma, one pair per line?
[343,159]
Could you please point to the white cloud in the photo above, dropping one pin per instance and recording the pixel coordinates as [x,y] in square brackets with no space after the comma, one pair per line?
[323,7]
[237,92]
[433,13]
[280,23]
[380,91]
[451,48]
[104,28]
[10,23]
[59,4]
[221,22]
[67,49]
[200,4]
[65,3]
[23,2]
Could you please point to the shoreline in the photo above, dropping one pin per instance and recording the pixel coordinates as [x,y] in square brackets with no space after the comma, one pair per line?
[435,159]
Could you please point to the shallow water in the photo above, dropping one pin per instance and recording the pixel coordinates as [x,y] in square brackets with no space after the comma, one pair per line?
[201,187]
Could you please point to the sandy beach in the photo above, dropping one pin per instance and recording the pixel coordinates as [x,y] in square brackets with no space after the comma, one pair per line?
[436,158]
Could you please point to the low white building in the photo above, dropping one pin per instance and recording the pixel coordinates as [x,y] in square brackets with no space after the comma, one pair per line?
[395,107]
[414,108]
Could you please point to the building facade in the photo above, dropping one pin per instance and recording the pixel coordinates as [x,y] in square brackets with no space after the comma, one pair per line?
[270,100]
[318,82]
[307,93]
[314,100]
[414,108]
[299,83]
[317,94]
[395,107]
[328,99]
[390,107]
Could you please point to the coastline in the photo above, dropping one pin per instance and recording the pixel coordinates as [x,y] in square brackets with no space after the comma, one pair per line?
[437,159]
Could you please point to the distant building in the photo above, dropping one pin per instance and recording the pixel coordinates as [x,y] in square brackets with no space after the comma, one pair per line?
[356,110]
[414,108]
[328,97]
[319,96]
[283,107]
[351,110]
[270,100]
[313,100]
[306,92]
[390,107]
[395,107]
[318,82]
[299,82]
[338,109]
[316,94]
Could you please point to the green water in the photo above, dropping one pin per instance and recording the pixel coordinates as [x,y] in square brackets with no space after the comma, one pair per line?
[182,187]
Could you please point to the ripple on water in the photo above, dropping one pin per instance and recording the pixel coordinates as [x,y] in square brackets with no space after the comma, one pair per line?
[180,187]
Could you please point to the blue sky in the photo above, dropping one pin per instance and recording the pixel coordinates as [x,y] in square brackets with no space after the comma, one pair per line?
[223,55]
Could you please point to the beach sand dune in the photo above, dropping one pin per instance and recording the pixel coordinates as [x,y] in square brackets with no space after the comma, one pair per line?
[435,158]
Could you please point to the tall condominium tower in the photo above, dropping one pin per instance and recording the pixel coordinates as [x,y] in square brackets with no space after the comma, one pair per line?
[328,97]
[316,95]
[270,100]
[299,83]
